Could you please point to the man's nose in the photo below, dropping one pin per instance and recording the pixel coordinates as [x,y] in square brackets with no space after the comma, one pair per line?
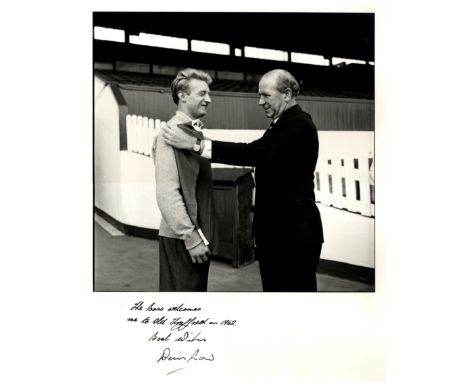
[261,101]
[207,98]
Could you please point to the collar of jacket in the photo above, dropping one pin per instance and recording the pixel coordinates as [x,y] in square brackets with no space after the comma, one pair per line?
[287,113]
[181,117]
[188,128]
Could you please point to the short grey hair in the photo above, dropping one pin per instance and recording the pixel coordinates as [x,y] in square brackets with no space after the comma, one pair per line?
[181,82]
[284,80]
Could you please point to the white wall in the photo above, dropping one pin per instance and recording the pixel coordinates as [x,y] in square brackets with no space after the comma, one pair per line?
[138,191]
[124,181]
[349,237]
[107,175]
[347,143]
[243,136]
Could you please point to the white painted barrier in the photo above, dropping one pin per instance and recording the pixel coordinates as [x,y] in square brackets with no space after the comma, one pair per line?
[342,171]
[344,182]
[141,132]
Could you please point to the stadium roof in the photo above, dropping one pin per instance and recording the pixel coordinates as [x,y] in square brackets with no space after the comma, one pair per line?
[144,81]
[344,35]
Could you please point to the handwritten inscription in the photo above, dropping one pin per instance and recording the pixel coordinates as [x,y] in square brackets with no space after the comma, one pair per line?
[178,330]
[154,308]
[186,337]
[166,356]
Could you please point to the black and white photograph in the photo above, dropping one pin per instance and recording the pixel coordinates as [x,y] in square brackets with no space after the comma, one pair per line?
[230,155]
[302,162]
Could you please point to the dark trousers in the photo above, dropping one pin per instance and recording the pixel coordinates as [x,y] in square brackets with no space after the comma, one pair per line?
[177,272]
[290,269]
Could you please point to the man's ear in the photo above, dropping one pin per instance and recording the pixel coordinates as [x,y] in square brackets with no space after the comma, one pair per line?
[288,95]
[181,96]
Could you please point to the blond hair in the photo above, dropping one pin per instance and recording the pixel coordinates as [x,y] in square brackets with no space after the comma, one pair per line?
[182,81]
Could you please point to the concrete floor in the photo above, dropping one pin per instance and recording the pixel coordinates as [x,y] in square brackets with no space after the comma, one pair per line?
[131,264]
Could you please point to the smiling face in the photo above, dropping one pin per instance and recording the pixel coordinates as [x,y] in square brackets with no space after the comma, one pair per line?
[271,100]
[195,102]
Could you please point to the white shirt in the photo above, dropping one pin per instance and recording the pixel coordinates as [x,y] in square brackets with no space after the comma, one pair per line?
[206,153]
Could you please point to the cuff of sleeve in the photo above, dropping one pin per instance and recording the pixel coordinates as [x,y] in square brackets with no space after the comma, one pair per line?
[207,149]
[192,240]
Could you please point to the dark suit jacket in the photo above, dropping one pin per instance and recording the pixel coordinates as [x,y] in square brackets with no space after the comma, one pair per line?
[285,158]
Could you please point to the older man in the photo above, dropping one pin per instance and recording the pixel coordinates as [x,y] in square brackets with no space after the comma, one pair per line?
[184,192]
[287,226]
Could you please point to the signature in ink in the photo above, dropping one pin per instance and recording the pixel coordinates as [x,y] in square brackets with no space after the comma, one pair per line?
[166,356]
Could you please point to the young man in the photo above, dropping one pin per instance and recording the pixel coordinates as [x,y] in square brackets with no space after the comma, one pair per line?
[187,234]
[287,225]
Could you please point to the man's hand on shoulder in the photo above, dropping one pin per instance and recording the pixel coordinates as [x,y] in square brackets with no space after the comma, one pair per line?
[199,254]
[177,138]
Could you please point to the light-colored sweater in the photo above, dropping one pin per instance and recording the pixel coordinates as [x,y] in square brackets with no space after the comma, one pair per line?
[175,222]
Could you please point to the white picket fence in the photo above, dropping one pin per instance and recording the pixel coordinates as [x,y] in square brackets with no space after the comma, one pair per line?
[344,182]
[342,174]
[140,133]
